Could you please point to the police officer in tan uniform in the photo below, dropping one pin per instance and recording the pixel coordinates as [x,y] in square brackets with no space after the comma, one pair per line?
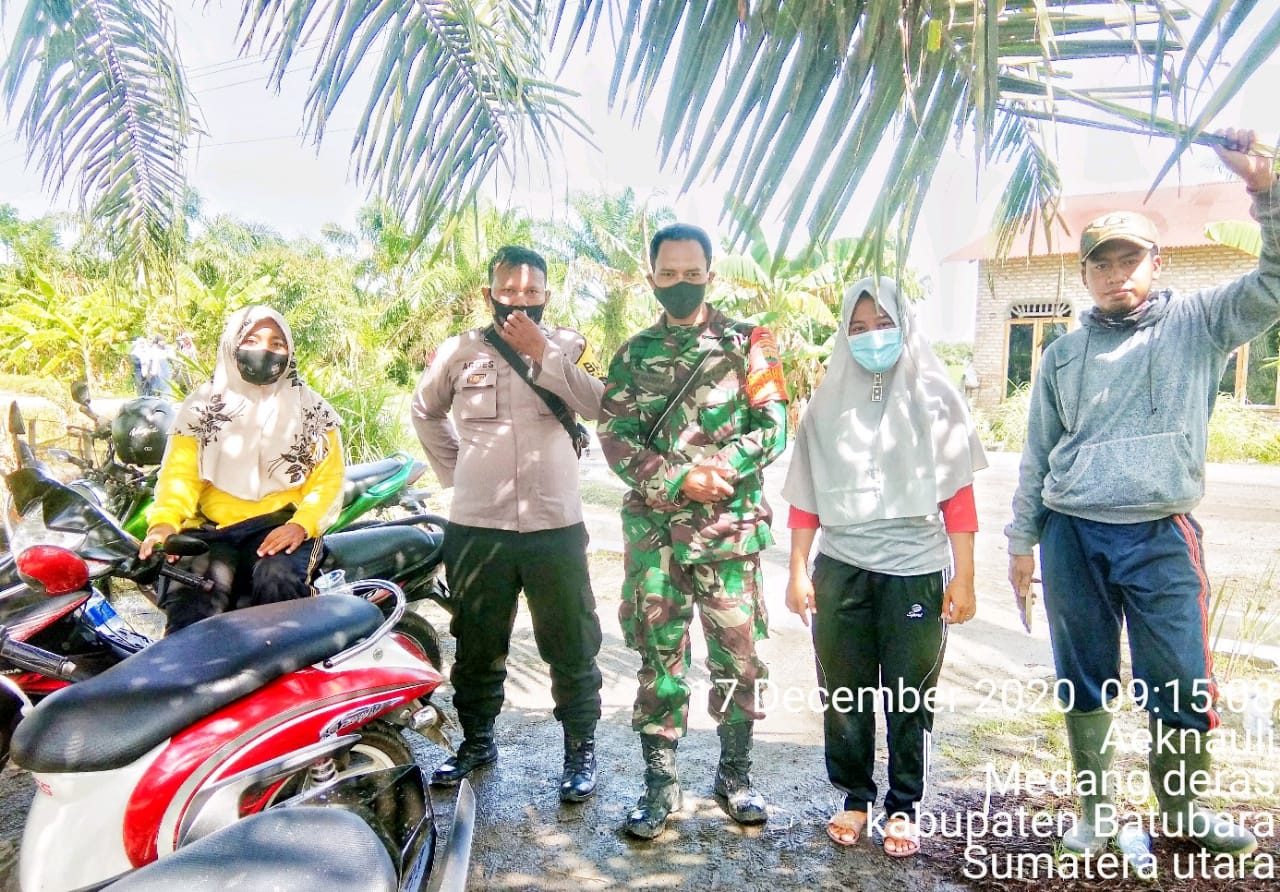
[516,520]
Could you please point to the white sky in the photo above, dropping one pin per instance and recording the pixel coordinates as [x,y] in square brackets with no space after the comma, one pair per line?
[252,163]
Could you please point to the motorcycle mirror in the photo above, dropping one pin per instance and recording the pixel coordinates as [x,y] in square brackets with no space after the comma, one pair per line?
[17,426]
[80,392]
[185,546]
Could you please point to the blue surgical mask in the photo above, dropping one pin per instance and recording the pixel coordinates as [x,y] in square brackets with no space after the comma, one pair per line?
[876,351]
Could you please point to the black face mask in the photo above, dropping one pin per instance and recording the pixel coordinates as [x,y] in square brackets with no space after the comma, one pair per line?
[261,366]
[502,311]
[681,300]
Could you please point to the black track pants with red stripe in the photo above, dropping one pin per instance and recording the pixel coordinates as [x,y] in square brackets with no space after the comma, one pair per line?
[1151,576]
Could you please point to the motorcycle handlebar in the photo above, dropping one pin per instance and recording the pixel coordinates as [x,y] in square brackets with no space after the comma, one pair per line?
[195,580]
[34,659]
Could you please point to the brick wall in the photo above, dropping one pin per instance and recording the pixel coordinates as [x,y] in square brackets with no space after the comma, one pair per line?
[1055,278]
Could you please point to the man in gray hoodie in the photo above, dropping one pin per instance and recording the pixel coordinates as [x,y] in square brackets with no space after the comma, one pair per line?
[1114,463]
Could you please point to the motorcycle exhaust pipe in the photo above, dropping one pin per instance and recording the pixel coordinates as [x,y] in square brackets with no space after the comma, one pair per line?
[431,723]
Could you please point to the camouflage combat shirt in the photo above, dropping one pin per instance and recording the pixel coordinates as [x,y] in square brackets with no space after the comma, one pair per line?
[734,416]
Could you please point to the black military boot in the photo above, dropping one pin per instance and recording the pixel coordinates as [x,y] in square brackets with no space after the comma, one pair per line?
[661,788]
[476,750]
[579,778]
[733,776]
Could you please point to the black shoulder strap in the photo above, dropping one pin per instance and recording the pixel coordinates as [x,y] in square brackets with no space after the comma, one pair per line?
[683,390]
[554,403]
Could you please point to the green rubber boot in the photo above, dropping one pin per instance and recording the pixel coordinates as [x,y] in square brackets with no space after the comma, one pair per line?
[1086,735]
[1180,766]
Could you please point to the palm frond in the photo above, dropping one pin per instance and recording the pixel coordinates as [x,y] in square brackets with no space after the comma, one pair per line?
[794,101]
[105,105]
[457,91]
[1261,49]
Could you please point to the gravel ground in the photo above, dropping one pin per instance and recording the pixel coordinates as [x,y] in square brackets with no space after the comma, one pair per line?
[527,840]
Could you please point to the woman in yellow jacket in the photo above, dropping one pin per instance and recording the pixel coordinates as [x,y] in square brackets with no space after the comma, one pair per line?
[253,467]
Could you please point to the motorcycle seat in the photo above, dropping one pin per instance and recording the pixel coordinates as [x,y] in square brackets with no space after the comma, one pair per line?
[114,718]
[385,552]
[359,479]
[297,849]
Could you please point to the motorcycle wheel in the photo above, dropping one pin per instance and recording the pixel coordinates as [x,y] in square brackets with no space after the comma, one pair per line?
[380,746]
[422,636]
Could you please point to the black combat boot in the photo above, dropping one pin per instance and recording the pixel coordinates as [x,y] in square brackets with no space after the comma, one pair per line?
[661,788]
[579,778]
[477,749]
[733,777]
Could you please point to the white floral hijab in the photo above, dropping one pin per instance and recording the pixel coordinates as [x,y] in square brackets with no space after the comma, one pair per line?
[255,440]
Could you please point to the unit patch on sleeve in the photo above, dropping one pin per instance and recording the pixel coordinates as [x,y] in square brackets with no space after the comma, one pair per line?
[588,362]
[765,382]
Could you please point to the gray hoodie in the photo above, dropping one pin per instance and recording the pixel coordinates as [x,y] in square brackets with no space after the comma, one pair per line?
[1119,416]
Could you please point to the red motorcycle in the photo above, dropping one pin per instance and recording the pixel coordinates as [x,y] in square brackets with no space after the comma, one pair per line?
[214,723]
[69,552]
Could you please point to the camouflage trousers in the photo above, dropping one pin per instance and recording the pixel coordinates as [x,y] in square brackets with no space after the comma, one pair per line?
[659,596]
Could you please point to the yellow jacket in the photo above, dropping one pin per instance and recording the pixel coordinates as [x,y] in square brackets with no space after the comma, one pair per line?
[185,500]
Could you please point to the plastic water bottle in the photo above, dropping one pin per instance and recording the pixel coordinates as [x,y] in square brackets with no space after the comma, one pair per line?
[333,583]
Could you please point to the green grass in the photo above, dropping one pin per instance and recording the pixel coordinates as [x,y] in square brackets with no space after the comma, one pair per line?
[58,392]
[1238,434]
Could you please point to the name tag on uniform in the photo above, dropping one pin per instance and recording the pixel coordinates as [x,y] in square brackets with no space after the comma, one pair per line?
[477,378]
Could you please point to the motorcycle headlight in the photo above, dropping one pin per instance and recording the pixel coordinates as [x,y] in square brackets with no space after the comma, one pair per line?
[56,570]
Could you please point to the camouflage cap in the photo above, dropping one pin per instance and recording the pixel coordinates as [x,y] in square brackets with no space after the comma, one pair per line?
[1124,226]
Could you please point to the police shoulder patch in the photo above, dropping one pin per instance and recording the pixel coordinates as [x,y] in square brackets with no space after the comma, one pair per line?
[765,381]
[589,363]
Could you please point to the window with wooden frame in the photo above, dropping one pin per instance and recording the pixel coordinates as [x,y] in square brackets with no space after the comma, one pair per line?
[1251,372]
[1032,327]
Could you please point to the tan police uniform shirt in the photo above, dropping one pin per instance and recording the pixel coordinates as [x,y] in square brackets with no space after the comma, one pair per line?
[510,462]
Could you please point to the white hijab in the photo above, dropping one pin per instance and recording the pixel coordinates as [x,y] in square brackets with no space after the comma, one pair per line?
[255,440]
[856,460]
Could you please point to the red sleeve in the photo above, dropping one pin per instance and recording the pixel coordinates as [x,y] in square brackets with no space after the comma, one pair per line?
[959,513]
[801,520]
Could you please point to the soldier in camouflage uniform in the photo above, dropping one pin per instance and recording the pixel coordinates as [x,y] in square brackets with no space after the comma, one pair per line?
[694,408]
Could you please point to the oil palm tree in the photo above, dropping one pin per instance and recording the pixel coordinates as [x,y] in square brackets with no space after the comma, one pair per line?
[797,297]
[753,90]
[105,105]
[605,249]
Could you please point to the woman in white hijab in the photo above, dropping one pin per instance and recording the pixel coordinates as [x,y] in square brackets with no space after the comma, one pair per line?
[883,465]
[254,467]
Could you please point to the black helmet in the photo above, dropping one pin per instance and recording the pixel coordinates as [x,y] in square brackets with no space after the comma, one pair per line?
[140,430]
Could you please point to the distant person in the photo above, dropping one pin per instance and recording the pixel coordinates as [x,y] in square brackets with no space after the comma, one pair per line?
[139,364]
[694,408]
[1113,465]
[158,369]
[186,361]
[253,467]
[510,454]
[883,464]
[186,346]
